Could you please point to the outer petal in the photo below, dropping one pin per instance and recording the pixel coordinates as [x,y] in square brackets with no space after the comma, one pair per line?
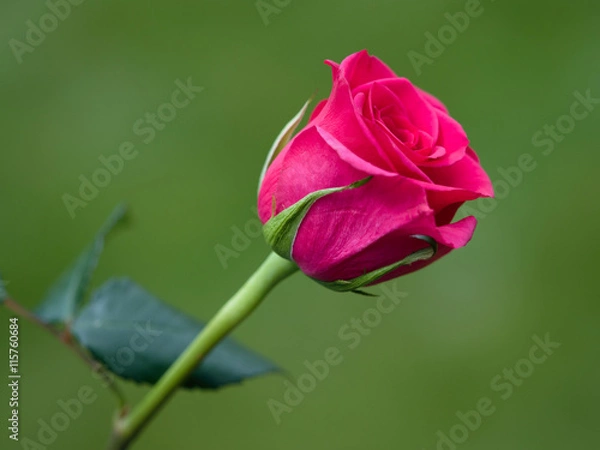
[398,244]
[345,154]
[268,187]
[317,110]
[360,68]
[307,164]
[343,224]
[459,182]
[449,237]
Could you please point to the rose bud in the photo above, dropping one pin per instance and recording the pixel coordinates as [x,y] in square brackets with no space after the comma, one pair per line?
[368,189]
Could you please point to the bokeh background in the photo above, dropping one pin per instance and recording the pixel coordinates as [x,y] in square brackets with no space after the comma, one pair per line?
[531,268]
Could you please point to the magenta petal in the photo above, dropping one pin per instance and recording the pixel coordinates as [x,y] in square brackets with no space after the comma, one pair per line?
[346,155]
[306,165]
[457,234]
[340,118]
[397,153]
[360,68]
[317,110]
[453,138]
[268,187]
[400,92]
[453,185]
[471,154]
[398,244]
[465,175]
[341,225]
[449,237]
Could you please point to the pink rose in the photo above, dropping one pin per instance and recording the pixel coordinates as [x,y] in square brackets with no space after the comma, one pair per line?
[374,124]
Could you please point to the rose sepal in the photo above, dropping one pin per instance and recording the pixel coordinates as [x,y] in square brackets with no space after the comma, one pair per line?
[282,139]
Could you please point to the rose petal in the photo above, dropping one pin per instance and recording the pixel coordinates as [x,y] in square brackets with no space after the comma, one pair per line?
[307,164]
[343,224]
[340,117]
[463,180]
[449,237]
[346,155]
[360,68]
[317,110]
[453,138]
[268,187]
[398,244]
[402,93]
[403,165]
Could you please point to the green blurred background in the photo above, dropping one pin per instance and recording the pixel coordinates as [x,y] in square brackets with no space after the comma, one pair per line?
[529,270]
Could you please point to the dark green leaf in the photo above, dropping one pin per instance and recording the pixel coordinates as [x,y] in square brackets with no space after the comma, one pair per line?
[138,337]
[66,294]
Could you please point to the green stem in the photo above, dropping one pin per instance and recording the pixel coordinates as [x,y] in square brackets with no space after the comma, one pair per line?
[272,271]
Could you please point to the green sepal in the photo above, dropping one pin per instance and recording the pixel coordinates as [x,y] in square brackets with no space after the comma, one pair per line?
[355,284]
[282,139]
[280,231]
